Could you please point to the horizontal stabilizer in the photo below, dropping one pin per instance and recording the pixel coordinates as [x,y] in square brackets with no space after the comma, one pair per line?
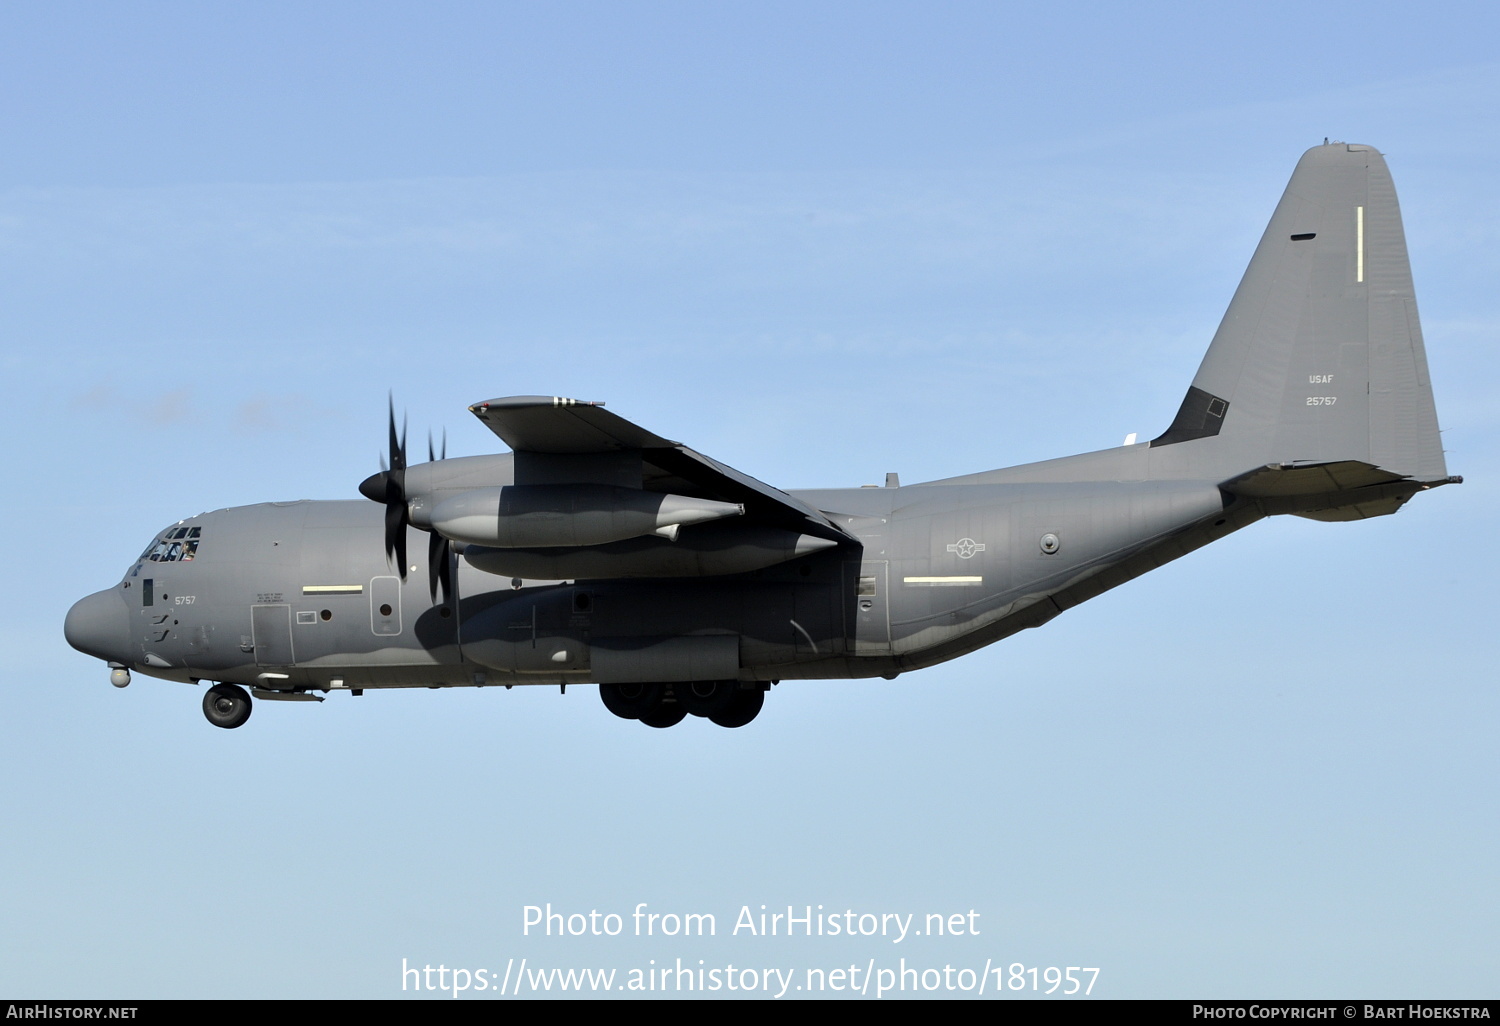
[1314,479]
[1348,490]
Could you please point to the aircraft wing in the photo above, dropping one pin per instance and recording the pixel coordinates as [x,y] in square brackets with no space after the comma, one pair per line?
[541,427]
[552,424]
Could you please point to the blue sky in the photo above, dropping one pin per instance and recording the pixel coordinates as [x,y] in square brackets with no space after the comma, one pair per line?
[818,242]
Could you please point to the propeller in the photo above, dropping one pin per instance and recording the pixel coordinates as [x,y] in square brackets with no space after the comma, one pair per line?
[389,487]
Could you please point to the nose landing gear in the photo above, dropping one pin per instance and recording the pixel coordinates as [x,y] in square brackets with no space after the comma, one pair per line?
[226,705]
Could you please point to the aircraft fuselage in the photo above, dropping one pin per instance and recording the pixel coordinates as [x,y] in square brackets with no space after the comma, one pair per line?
[301,594]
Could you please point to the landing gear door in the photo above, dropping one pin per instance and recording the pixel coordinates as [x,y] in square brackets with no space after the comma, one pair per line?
[867,586]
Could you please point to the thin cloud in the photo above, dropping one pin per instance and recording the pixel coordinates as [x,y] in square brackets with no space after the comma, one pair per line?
[171,409]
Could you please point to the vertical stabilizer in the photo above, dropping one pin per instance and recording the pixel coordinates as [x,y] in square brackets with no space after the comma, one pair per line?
[1319,358]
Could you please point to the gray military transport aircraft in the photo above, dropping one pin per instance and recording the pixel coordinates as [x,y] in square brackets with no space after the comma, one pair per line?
[598,552]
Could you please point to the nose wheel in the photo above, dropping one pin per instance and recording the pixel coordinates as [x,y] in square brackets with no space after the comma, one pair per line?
[226,705]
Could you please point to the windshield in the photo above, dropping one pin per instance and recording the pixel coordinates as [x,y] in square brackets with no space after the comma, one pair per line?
[173,545]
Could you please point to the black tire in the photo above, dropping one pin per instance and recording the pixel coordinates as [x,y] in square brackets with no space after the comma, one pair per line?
[631,701]
[226,705]
[744,708]
[668,714]
[706,697]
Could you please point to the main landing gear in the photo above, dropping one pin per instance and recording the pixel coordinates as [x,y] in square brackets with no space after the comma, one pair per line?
[724,702]
[226,705]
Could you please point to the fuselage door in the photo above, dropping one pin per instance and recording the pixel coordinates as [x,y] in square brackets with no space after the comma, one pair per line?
[272,626]
[385,605]
[869,585]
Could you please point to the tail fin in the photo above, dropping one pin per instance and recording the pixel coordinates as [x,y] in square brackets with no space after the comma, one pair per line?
[1319,359]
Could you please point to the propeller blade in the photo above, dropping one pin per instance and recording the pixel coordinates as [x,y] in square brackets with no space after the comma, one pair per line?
[395,535]
[439,566]
[396,520]
[397,446]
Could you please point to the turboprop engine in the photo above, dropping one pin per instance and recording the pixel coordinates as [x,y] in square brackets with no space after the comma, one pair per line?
[569,515]
[706,551]
[567,503]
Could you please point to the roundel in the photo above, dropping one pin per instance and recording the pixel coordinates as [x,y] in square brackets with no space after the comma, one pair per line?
[965,548]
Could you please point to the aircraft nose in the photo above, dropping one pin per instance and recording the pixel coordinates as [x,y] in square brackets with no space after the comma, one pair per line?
[98,626]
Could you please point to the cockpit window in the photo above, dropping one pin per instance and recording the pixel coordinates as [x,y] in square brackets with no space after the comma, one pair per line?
[175,544]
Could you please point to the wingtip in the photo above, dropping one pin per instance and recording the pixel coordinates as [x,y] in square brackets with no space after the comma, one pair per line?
[513,402]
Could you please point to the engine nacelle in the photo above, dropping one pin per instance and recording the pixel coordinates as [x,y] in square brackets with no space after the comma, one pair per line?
[568,515]
[709,551]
